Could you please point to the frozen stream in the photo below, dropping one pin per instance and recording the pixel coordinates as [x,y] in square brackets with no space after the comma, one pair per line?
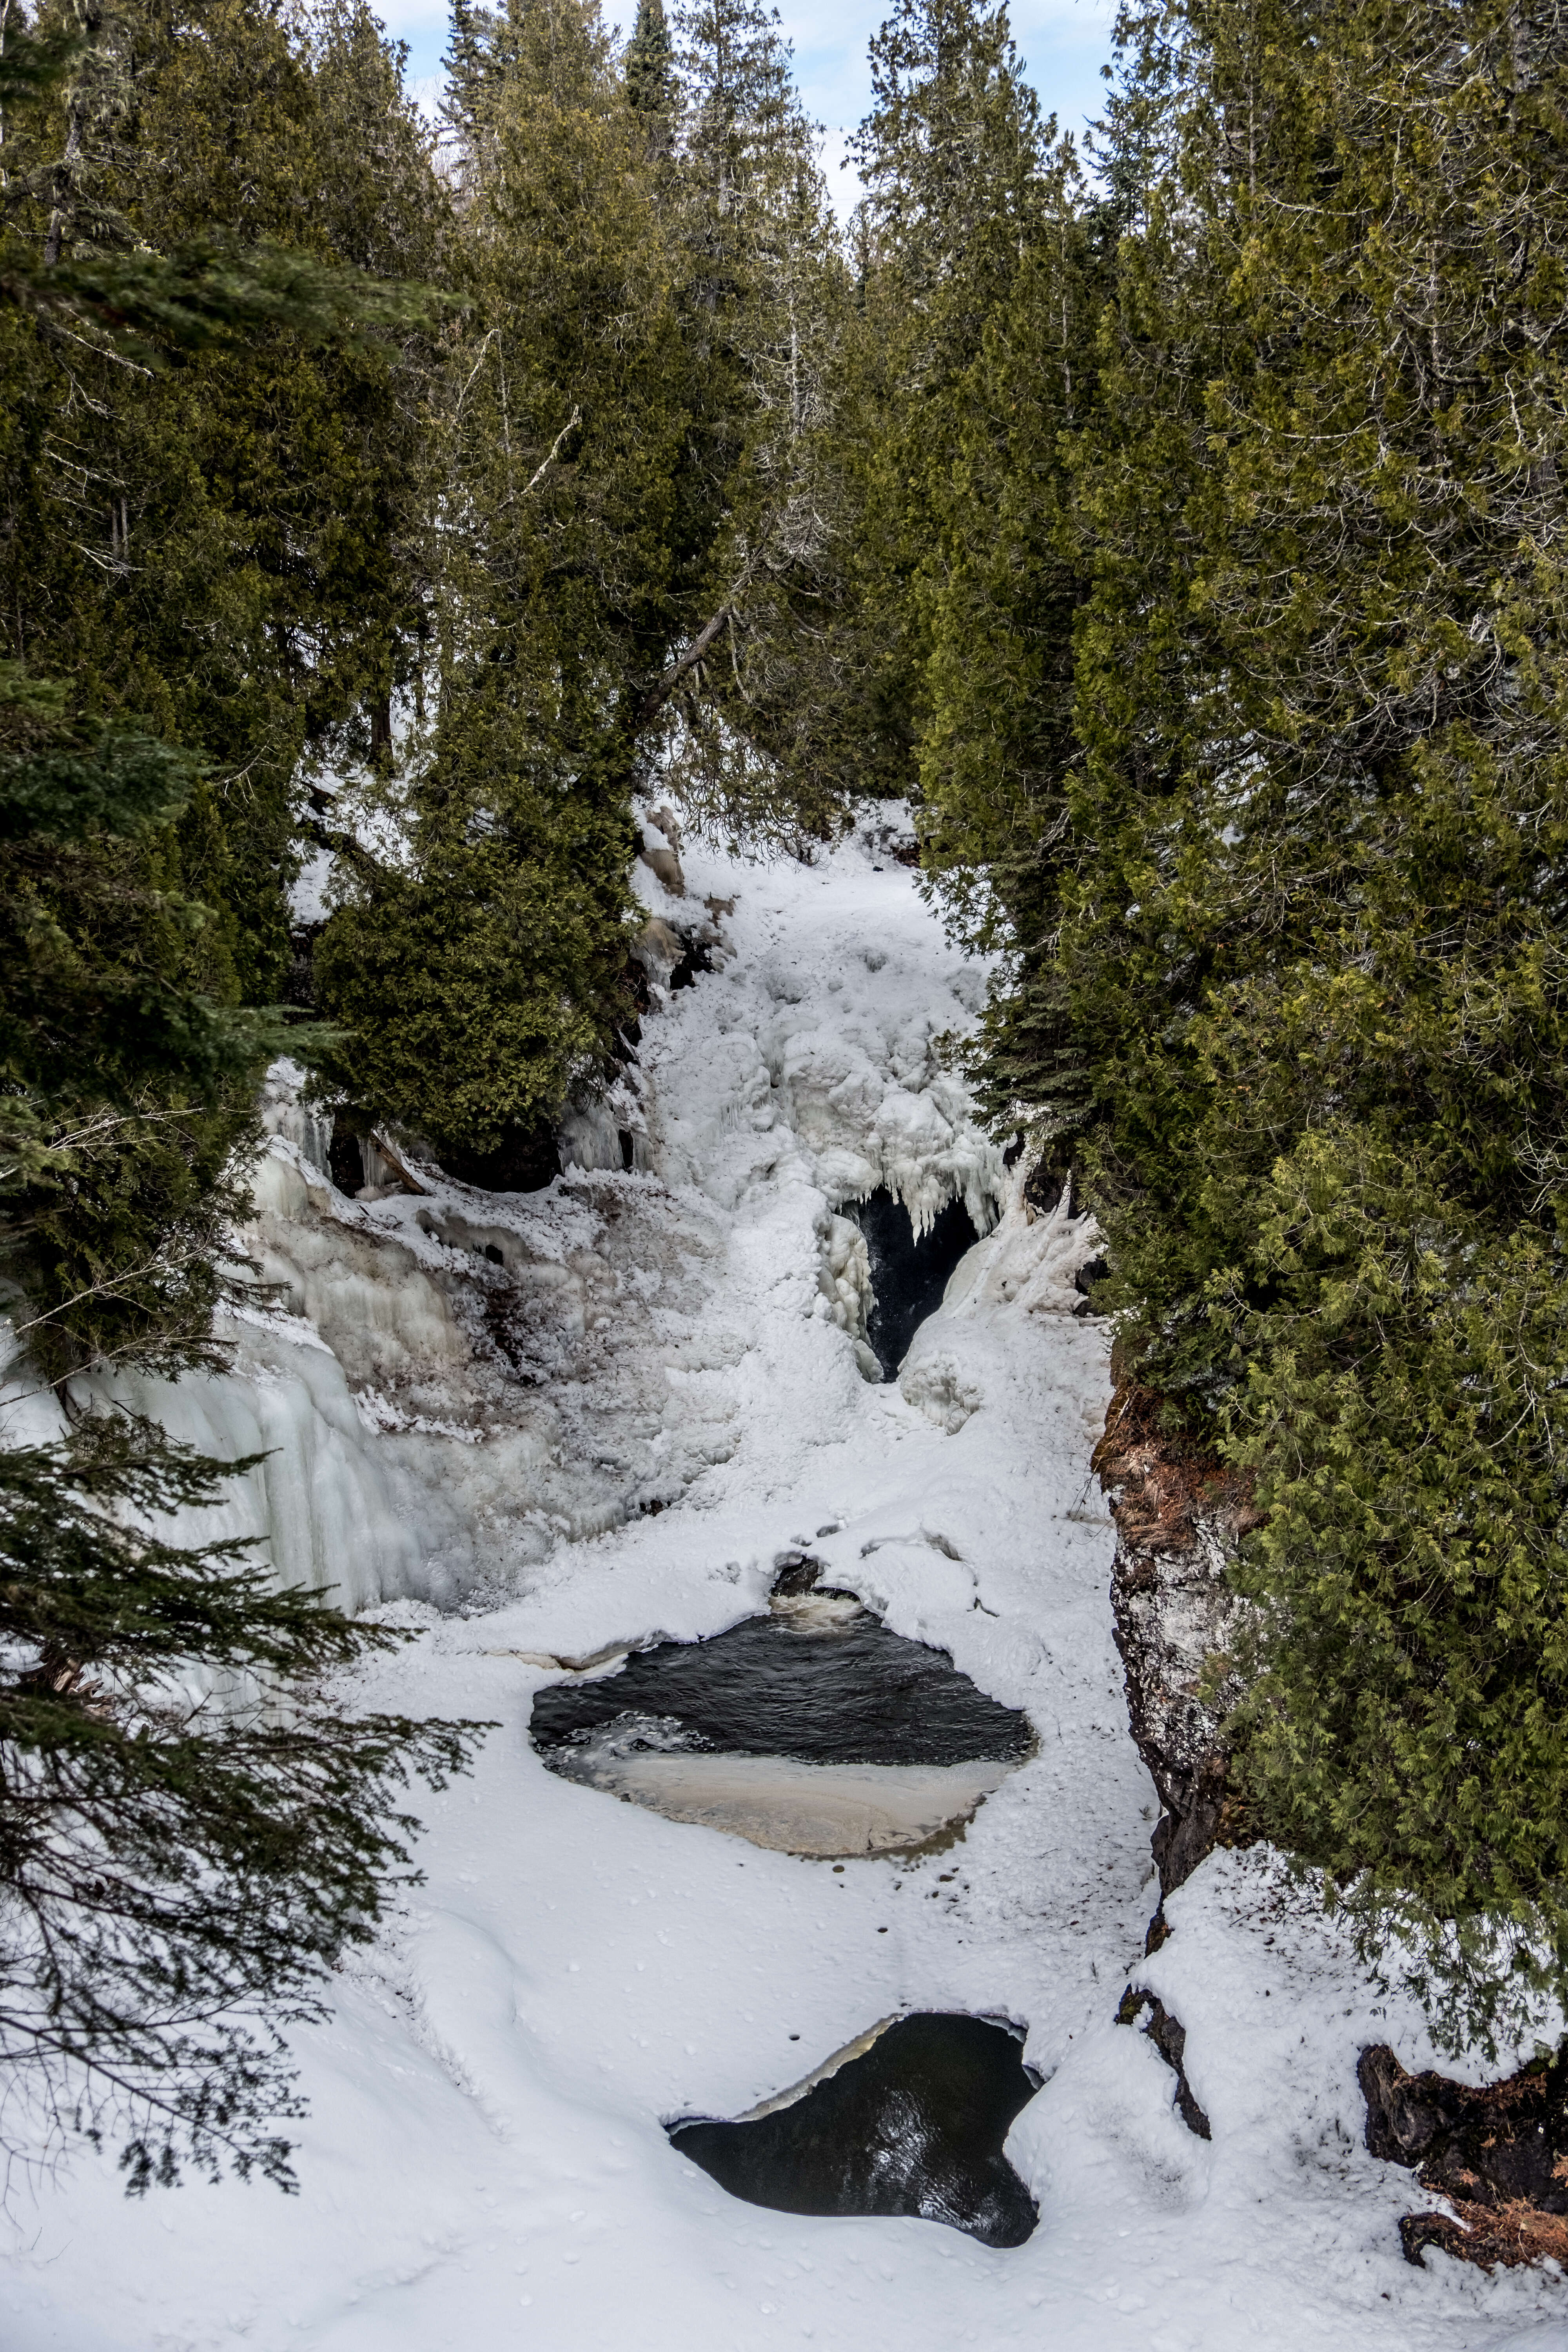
[485,2164]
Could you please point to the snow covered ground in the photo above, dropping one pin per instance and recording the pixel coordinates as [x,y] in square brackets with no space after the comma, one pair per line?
[484,2165]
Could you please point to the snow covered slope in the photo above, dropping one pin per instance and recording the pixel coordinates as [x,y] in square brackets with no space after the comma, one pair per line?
[484,2166]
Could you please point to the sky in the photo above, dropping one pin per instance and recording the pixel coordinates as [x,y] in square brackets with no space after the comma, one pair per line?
[1063,43]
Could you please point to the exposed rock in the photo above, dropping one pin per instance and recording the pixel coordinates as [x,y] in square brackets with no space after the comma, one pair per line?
[662,857]
[659,949]
[1498,2153]
[1178,1521]
[668,824]
[1169,2036]
[662,861]
[1084,1282]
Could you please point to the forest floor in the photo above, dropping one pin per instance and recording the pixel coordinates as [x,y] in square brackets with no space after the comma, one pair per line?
[484,2163]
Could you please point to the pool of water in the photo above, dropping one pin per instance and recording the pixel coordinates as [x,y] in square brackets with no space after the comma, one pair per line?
[815,1681]
[912,2118]
[813,1730]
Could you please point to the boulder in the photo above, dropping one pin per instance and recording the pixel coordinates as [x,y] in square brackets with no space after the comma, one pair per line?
[1498,2153]
[1169,2036]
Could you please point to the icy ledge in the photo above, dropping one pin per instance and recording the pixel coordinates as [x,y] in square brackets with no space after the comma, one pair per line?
[447,1385]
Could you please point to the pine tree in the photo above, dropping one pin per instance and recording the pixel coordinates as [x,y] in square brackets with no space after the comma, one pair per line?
[998,597]
[651,72]
[952,155]
[127,1076]
[176,1878]
[229,548]
[620,469]
[475,64]
[1299,1006]
[765,306]
[580,507]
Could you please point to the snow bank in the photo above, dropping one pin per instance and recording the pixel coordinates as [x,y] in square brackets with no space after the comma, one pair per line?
[485,2161]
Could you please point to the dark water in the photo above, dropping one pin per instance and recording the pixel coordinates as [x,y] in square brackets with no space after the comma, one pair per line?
[844,1693]
[915,2124]
[908,1276]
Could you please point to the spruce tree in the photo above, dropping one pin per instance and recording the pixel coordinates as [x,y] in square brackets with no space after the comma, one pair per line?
[1298,1011]
[177,1877]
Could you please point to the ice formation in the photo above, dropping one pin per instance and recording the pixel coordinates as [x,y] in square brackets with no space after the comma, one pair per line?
[447,1383]
[485,2161]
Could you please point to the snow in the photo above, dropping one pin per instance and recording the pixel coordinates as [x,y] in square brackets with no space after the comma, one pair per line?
[484,2163]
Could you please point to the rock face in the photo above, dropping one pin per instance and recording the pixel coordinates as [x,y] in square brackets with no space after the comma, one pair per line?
[1498,2153]
[1178,1522]
[1169,2036]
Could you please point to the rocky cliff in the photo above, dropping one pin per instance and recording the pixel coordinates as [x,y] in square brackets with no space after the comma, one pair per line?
[1179,1519]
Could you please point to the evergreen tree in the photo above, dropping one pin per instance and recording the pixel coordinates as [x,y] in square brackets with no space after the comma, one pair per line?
[650,71]
[478,50]
[952,155]
[998,596]
[228,547]
[1298,1008]
[127,1078]
[581,503]
[618,467]
[182,409]
[766,308]
[176,1878]
[177,1875]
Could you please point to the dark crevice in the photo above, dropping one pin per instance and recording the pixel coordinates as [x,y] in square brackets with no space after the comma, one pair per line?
[697,958]
[525,1159]
[300,977]
[345,1161]
[908,1274]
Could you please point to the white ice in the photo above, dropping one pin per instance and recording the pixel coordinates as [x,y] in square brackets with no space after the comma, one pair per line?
[484,2165]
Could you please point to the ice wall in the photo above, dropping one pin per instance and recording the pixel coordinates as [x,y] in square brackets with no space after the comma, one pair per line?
[445,1383]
